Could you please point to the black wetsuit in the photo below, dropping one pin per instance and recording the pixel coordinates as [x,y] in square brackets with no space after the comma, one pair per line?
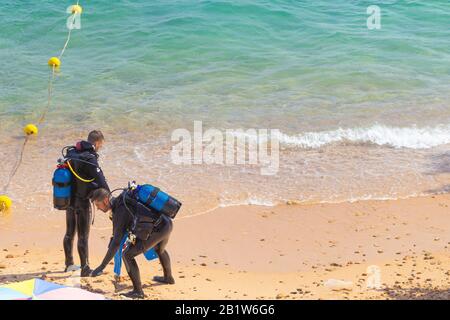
[78,215]
[158,234]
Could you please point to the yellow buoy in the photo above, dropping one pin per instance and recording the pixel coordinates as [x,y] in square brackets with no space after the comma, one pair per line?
[54,62]
[76,8]
[5,203]
[30,129]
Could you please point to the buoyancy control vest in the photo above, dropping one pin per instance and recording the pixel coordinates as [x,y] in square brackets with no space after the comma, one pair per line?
[78,162]
[70,178]
[148,205]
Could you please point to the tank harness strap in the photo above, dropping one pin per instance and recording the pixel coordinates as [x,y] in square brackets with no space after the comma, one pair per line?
[152,195]
[61,184]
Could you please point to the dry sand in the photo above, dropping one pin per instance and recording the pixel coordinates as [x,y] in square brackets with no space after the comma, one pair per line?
[254,252]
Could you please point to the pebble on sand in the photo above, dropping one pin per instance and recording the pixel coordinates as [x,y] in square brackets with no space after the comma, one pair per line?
[334,264]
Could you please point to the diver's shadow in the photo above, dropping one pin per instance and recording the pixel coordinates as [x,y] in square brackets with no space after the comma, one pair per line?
[121,285]
[125,285]
[29,276]
[153,285]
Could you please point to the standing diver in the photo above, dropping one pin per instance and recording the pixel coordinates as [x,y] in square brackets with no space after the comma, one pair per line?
[147,233]
[83,158]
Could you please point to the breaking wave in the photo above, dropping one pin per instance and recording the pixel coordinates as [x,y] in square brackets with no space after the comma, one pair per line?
[396,137]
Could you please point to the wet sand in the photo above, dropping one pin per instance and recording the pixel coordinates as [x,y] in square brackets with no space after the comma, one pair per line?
[254,252]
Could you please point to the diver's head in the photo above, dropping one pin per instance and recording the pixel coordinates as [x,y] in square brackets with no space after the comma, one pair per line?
[96,138]
[101,198]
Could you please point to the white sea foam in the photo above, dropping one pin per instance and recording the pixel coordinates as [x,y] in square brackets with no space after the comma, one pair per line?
[253,201]
[397,137]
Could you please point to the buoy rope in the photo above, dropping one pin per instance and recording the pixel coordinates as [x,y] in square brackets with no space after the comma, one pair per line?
[44,112]
[67,42]
[68,36]
[16,166]
[49,97]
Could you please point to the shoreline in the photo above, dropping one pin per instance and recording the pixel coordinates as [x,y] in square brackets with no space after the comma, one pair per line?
[329,174]
[286,251]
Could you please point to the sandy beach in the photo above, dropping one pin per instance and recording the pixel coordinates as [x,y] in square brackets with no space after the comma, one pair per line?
[292,251]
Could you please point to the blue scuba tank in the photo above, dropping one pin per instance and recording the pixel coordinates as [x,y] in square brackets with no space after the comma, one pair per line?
[62,187]
[157,200]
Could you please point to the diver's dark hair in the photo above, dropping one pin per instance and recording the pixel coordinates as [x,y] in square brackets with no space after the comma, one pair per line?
[99,194]
[95,135]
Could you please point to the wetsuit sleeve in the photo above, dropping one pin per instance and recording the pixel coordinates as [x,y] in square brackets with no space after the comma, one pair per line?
[120,225]
[96,172]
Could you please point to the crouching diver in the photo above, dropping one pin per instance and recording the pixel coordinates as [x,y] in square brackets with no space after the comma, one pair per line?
[128,216]
[83,160]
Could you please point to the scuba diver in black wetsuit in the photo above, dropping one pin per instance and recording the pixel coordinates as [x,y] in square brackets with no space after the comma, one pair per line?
[145,233]
[84,161]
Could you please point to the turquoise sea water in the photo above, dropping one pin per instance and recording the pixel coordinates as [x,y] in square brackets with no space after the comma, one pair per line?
[309,68]
[298,65]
